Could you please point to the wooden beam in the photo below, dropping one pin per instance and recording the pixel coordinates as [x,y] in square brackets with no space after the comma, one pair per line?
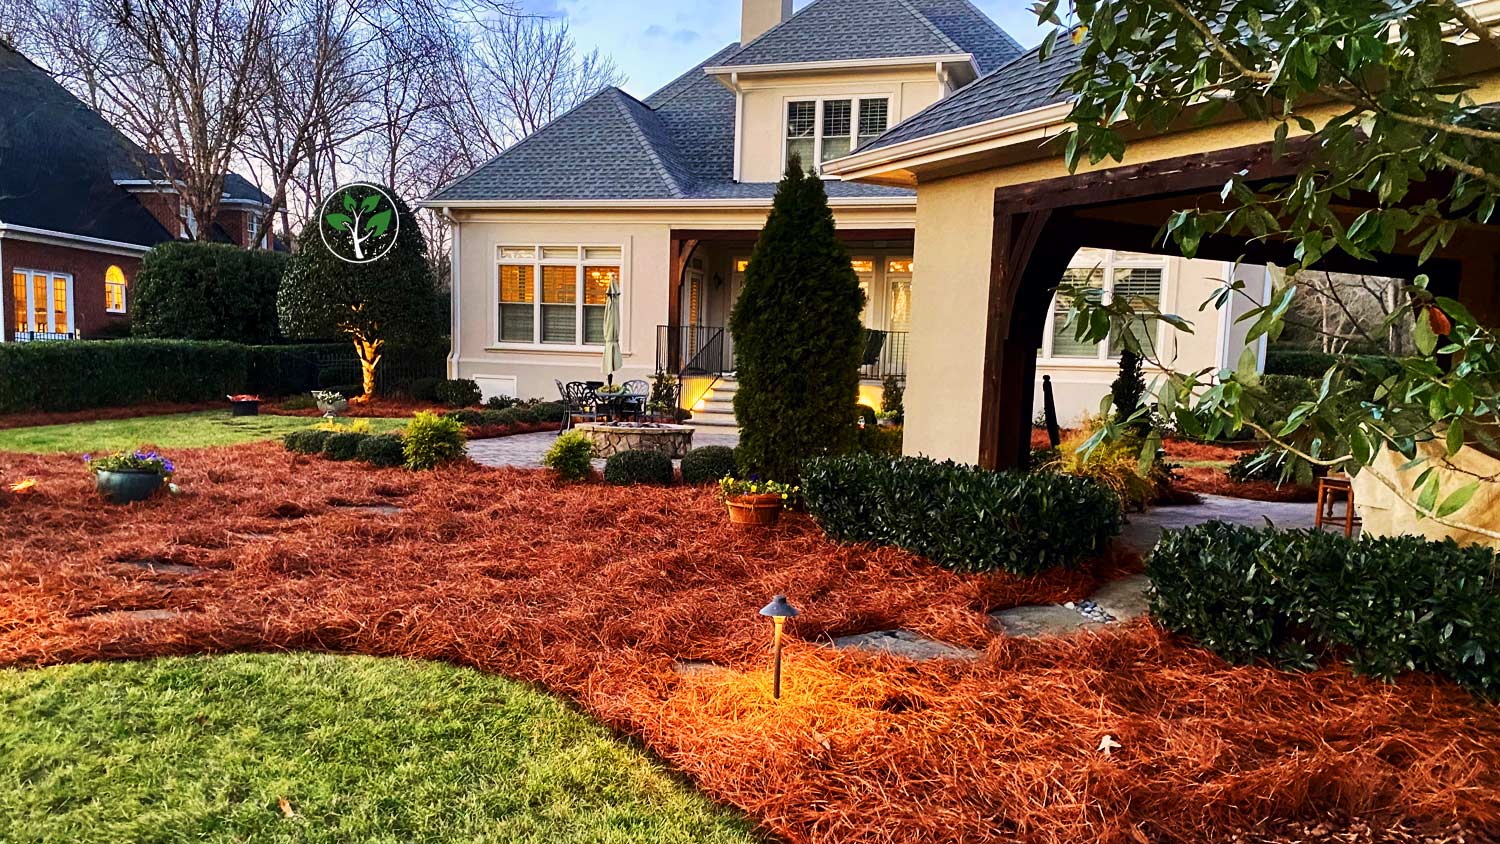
[1183,174]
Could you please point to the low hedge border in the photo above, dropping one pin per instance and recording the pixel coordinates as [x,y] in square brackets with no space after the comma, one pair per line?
[1301,598]
[962,518]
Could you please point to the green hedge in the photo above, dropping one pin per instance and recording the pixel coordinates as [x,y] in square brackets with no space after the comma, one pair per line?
[1299,598]
[961,517]
[78,375]
[708,464]
[639,467]
[207,291]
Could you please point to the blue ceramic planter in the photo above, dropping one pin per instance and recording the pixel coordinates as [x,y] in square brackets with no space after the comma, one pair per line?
[128,487]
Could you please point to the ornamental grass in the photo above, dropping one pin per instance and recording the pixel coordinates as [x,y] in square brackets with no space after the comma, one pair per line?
[598,594]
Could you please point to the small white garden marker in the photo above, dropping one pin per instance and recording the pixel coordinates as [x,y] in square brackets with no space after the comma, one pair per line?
[1108,745]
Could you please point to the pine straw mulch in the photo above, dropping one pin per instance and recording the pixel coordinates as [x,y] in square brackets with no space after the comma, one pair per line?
[595,593]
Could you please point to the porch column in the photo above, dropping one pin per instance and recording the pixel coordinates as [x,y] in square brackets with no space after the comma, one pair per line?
[681,251]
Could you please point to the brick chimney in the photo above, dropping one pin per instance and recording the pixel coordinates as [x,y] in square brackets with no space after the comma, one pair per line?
[761,15]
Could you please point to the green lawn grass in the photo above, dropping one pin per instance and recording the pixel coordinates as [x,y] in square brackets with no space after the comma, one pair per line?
[360,749]
[180,430]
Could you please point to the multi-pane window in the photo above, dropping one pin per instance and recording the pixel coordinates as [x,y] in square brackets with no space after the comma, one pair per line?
[555,295]
[1139,279]
[818,131]
[114,290]
[42,301]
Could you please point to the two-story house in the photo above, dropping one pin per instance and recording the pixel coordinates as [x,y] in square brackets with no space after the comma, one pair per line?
[80,204]
[668,195]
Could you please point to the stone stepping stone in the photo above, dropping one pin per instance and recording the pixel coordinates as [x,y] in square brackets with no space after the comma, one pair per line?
[135,615]
[1125,599]
[698,668]
[159,567]
[372,509]
[1048,620]
[905,644]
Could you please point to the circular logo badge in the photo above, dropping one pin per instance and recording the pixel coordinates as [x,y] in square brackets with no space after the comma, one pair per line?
[359,223]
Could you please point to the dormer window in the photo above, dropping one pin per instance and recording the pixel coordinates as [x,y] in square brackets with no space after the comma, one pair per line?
[818,131]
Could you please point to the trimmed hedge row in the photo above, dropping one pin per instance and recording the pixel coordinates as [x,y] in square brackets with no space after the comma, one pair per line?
[960,517]
[78,375]
[524,414]
[1298,598]
[1308,364]
[639,467]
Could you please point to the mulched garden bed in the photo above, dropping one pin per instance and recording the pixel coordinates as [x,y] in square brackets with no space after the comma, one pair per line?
[597,593]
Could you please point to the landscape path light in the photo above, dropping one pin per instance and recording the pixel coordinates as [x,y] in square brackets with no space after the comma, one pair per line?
[779,610]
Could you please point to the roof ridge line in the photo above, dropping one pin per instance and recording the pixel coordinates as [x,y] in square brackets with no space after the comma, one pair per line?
[994,24]
[932,27]
[650,148]
[694,71]
[473,171]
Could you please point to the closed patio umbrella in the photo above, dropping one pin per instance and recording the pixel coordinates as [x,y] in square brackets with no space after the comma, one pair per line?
[612,359]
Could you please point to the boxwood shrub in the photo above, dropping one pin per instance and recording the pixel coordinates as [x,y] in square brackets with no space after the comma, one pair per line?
[639,467]
[960,517]
[306,442]
[1299,598]
[343,445]
[432,441]
[462,392]
[706,465]
[383,452]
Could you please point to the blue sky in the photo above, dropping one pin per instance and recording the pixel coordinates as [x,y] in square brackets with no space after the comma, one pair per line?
[655,41]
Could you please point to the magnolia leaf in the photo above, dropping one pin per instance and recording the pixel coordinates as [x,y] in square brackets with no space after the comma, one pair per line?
[1458,500]
[1428,499]
[1246,372]
[1455,437]
[1426,339]
[339,222]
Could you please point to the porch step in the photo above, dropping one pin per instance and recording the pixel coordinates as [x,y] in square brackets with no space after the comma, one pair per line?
[716,408]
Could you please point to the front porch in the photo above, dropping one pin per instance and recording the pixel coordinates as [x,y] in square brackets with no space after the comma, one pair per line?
[708,274]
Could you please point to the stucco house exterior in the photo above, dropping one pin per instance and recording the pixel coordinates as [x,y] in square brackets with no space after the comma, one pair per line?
[668,194]
[80,204]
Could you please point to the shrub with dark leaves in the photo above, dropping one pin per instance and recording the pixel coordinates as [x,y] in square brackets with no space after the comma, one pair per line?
[639,467]
[1297,598]
[961,517]
[707,465]
[383,452]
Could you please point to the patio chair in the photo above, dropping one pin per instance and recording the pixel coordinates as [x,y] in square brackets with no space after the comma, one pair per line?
[638,392]
[583,404]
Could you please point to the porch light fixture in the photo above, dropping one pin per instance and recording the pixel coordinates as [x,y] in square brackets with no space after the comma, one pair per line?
[779,610]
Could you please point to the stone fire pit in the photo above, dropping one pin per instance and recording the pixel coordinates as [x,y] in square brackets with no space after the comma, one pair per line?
[612,438]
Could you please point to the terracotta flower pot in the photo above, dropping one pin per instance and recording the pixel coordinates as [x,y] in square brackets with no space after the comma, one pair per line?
[754,510]
[127,487]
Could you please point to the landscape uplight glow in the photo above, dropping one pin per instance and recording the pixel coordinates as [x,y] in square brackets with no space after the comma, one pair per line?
[779,610]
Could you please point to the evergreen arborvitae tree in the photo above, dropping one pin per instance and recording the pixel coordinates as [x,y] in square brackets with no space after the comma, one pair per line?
[1129,389]
[797,336]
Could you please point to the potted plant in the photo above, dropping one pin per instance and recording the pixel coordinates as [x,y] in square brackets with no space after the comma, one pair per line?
[126,478]
[756,503]
[330,402]
[244,405]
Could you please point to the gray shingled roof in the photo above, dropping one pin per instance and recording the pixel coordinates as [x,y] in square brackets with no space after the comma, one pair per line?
[1026,83]
[844,30]
[679,142]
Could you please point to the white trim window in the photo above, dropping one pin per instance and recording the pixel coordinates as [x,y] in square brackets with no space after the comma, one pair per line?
[554,296]
[115,287]
[1142,278]
[822,129]
[42,301]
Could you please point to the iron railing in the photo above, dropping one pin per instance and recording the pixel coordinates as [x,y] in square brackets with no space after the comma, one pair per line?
[692,350]
[43,336]
[885,355]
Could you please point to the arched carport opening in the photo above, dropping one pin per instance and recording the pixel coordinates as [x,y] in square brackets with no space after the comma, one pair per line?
[1039,226]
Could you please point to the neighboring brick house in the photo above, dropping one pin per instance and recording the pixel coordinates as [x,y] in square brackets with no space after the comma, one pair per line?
[78,209]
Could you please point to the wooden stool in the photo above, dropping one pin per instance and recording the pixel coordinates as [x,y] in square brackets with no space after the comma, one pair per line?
[1328,490]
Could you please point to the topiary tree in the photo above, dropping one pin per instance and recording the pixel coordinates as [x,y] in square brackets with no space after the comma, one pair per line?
[797,336]
[388,300]
[207,291]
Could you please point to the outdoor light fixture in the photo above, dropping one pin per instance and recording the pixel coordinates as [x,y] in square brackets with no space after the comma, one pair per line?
[779,610]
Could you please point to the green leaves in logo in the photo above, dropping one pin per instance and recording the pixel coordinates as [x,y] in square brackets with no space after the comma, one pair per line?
[370,203]
[339,222]
[379,223]
[349,202]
